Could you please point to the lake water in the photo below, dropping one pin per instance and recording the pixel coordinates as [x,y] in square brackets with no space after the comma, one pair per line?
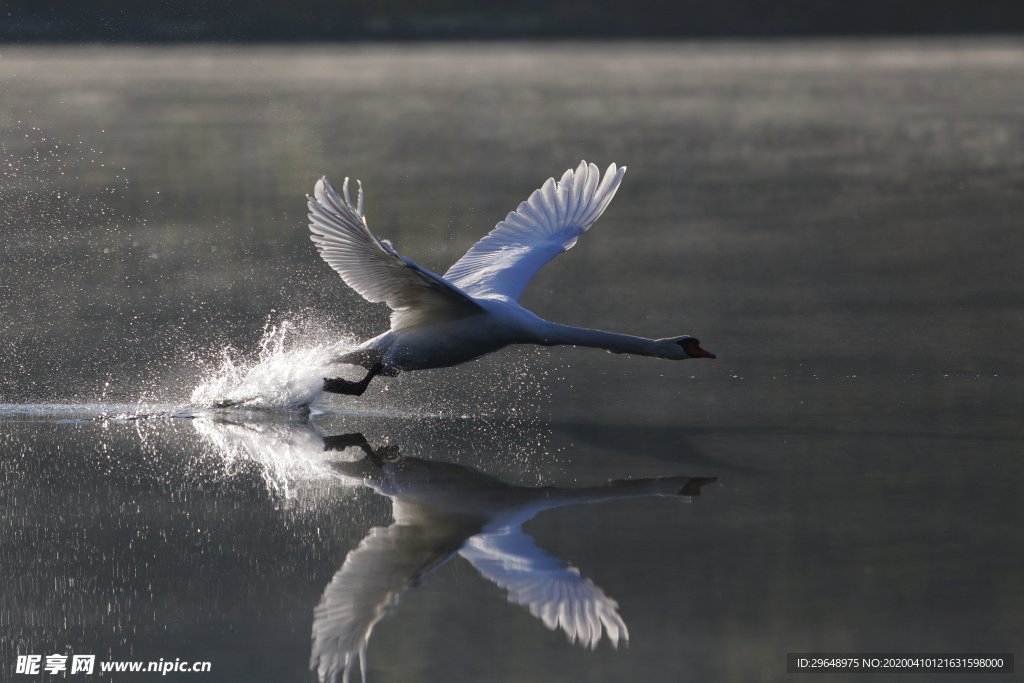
[838,222]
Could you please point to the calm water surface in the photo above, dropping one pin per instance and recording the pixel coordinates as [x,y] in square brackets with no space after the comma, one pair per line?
[838,222]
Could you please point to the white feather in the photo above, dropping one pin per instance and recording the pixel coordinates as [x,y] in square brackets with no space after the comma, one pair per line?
[543,226]
[373,267]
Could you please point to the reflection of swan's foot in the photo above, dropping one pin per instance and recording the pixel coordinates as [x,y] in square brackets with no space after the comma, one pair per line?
[340,442]
[389,453]
[693,486]
[378,456]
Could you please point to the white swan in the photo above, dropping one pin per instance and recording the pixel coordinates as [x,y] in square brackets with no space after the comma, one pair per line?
[473,309]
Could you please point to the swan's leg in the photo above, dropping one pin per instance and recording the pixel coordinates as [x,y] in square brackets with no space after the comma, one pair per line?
[336,385]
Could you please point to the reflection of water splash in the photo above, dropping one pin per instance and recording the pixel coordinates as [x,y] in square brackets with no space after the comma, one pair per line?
[289,454]
[284,374]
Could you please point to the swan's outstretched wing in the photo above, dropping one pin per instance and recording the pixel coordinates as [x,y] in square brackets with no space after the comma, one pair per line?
[543,226]
[372,267]
[367,586]
[553,591]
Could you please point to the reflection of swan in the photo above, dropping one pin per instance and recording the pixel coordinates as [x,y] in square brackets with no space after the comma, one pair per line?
[441,510]
[473,309]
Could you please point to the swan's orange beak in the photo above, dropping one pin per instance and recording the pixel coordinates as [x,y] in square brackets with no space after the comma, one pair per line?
[694,351]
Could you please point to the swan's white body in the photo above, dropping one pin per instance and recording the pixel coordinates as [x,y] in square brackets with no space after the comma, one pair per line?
[450,342]
[439,321]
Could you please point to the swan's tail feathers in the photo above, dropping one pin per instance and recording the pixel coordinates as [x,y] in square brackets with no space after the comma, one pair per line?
[695,484]
[545,225]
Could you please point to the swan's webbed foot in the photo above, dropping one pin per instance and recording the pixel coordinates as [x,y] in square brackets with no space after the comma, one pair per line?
[337,385]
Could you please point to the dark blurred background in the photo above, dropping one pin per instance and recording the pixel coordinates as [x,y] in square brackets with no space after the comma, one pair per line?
[329,20]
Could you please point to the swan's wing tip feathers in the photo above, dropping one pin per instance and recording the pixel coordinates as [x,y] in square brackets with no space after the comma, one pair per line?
[328,198]
[546,224]
[372,266]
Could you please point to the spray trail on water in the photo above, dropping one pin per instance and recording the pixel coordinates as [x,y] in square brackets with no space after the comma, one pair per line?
[283,374]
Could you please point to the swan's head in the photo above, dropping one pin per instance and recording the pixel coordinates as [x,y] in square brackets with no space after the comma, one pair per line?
[680,348]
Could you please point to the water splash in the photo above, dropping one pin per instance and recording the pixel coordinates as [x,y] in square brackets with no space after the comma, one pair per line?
[498,400]
[287,372]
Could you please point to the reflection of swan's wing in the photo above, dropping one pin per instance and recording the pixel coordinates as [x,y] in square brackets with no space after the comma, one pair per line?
[367,586]
[553,591]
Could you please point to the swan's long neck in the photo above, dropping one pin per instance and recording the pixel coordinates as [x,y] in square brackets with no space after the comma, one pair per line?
[553,334]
